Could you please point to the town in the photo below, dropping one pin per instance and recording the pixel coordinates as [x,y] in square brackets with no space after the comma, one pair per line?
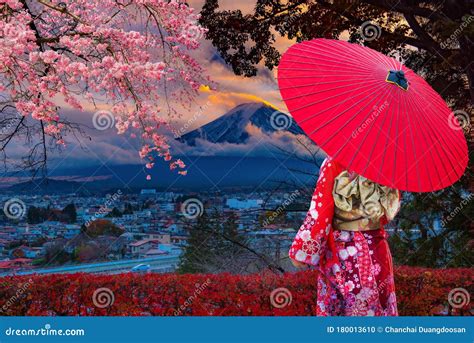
[147,231]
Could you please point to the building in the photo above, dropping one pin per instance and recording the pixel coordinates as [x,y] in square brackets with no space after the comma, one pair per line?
[179,240]
[28,252]
[140,248]
[244,204]
[148,192]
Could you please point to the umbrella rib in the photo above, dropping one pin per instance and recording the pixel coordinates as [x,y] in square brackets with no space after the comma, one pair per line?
[459,148]
[359,50]
[322,91]
[314,76]
[341,113]
[319,83]
[334,96]
[355,64]
[397,148]
[378,134]
[405,155]
[363,72]
[435,97]
[388,137]
[415,105]
[387,92]
[449,147]
[441,162]
[329,65]
[451,156]
[366,53]
[414,148]
[335,54]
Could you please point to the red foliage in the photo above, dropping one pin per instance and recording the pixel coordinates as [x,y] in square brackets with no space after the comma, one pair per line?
[420,292]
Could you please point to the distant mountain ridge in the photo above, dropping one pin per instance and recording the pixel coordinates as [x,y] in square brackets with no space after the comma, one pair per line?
[48,185]
[204,173]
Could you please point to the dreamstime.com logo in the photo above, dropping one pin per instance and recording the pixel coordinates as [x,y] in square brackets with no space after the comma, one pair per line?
[288,201]
[377,110]
[280,297]
[103,120]
[14,209]
[10,124]
[459,120]
[453,39]
[457,210]
[46,331]
[104,209]
[280,121]
[103,297]
[180,131]
[369,31]
[19,294]
[197,292]
[459,297]
[193,31]
[192,208]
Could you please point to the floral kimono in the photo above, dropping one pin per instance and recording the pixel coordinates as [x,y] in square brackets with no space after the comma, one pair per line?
[343,237]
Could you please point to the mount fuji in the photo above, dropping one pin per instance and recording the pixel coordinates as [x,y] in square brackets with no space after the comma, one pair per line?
[252,146]
[250,129]
[233,127]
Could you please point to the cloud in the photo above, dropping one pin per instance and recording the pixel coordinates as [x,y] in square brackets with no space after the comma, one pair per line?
[233,99]
[278,144]
[232,90]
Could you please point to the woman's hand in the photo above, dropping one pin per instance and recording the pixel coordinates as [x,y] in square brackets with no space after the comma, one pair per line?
[298,264]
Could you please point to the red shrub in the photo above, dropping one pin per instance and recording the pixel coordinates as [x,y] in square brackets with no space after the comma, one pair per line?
[420,291]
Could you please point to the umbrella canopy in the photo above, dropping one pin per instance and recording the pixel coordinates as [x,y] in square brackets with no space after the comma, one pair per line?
[373,115]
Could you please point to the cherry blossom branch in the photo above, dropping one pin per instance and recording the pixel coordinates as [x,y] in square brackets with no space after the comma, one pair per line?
[63,10]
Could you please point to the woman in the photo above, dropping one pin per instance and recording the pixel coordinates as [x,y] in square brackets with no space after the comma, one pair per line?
[343,236]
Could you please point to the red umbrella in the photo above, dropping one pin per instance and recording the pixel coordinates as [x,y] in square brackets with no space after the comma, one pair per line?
[373,115]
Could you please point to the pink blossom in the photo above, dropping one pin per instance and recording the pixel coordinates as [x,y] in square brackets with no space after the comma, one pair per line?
[93,56]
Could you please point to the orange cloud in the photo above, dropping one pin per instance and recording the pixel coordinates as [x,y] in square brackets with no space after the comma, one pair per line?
[232,99]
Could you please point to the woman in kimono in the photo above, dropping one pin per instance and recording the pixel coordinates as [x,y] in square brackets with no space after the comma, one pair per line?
[343,237]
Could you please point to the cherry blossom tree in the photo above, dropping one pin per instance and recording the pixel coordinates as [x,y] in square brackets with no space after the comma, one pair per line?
[131,56]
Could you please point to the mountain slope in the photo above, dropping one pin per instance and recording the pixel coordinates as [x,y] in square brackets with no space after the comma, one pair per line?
[252,145]
[233,126]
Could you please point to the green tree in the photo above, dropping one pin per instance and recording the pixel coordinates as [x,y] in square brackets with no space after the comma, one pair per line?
[216,245]
[70,212]
[434,38]
[434,230]
[101,227]
[207,246]
[234,241]
[34,216]
[199,251]
[128,208]
[87,253]
[114,213]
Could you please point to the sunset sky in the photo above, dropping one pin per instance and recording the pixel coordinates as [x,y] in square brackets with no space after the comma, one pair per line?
[106,147]
[231,91]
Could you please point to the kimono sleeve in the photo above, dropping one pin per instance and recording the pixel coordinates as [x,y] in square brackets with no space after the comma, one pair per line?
[311,240]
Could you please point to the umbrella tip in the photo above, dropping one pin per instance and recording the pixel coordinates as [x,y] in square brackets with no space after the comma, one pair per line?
[398,78]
